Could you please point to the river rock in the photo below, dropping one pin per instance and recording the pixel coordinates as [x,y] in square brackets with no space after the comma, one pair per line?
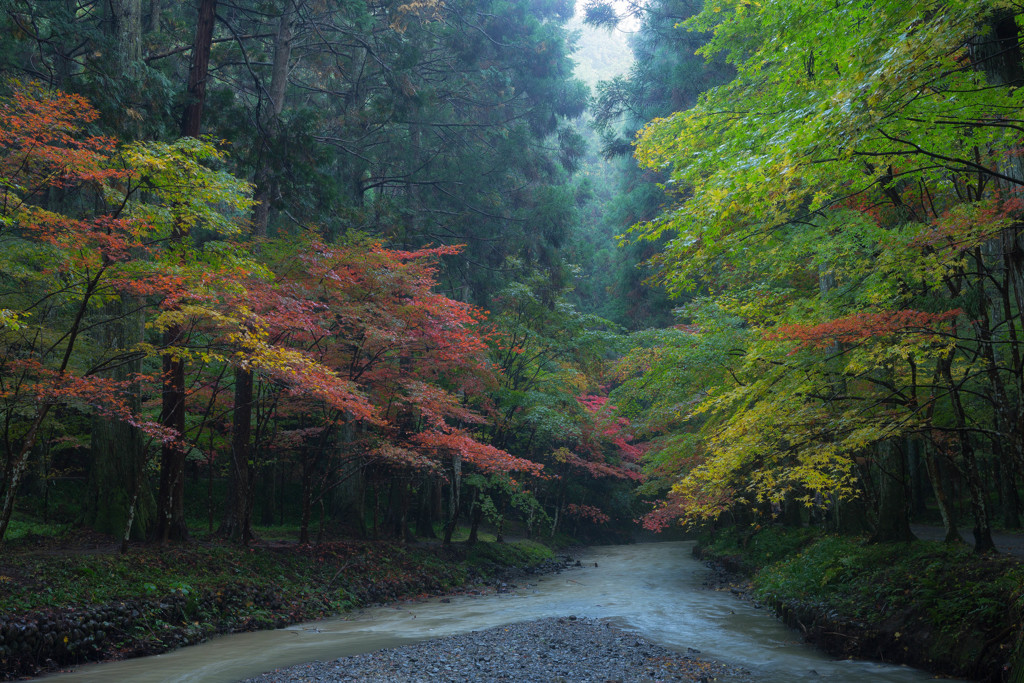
[558,649]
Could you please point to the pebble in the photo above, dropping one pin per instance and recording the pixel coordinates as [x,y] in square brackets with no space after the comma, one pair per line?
[566,650]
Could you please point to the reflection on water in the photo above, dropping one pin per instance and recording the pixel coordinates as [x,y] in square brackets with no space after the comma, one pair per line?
[653,589]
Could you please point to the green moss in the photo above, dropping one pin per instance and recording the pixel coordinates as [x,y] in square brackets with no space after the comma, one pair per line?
[519,554]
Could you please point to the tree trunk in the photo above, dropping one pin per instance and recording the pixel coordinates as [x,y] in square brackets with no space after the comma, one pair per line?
[1009,501]
[307,503]
[792,513]
[269,494]
[237,521]
[983,542]
[154,16]
[126,536]
[264,177]
[398,511]
[850,516]
[171,496]
[979,506]
[117,476]
[918,478]
[126,25]
[453,500]
[941,498]
[475,516]
[236,524]
[192,118]
[997,51]
[425,509]
[171,509]
[893,523]
[18,470]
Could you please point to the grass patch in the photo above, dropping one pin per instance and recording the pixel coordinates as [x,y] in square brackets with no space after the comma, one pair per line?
[758,546]
[20,530]
[518,554]
[356,571]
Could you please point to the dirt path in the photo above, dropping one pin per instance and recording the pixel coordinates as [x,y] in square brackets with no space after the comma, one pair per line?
[1008,542]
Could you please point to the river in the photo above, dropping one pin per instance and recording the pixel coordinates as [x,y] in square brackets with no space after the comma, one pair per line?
[652,588]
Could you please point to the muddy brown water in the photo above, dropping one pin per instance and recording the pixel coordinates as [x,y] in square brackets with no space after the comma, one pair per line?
[653,589]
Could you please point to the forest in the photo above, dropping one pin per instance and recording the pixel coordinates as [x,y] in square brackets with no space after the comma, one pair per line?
[399,270]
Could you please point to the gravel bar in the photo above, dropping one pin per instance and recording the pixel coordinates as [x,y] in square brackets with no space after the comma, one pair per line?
[557,650]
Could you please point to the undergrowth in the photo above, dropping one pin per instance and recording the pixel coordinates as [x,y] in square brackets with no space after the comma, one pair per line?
[925,603]
[154,599]
[333,575]
[949,585]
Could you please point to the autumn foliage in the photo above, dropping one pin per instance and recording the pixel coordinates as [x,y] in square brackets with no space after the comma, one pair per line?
[864,325]
[360,360]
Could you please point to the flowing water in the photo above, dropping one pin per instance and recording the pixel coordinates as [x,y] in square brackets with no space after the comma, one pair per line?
[653,589]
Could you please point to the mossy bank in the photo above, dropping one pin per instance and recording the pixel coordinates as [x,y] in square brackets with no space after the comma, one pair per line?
[59,609]
[929,605]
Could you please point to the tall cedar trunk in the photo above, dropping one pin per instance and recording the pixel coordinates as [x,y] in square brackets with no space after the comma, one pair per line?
[264,177]
[364,532]
[1013,260]
[979,506]
[170,500]
[1005,412]
[918,478]
[154,16]
[1009,500]
[850,516]
[425,510]
[126,16]
[475,516]
[997,53]
[792,512]
[192,119]
[118,499]
[406,534]
[237,522]
[170,524]
[941,497]
[397,513]
[267,497]
[307,501]
[453,500]
[893,522]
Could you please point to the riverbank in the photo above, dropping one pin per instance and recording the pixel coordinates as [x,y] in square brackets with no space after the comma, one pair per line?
[61,606]
[928,605]
[558,649]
